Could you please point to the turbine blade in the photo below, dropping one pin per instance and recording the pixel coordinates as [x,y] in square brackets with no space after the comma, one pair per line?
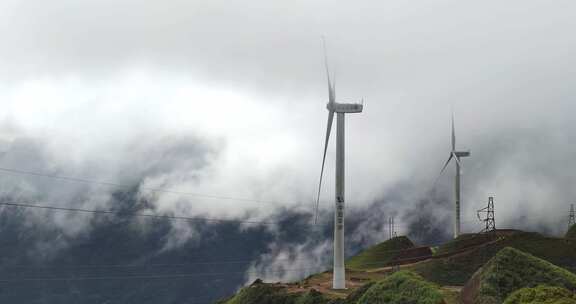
[443,168]
[459,163]
[457,159]
[447,162]
[328,130]
[333,97]
[331,89]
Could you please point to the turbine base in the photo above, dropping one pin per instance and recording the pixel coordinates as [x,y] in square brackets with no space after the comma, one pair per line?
[339,278]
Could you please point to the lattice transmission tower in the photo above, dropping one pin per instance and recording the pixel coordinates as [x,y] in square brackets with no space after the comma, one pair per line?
[488,218]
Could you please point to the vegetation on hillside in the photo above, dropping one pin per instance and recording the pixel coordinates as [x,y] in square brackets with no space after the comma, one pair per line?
[462,242]
[511,270]
[379,255]
[260,293]
[541,294]
[457,269]
[400,288]
[358,293]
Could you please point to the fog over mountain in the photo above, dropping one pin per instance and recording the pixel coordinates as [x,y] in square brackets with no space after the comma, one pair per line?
[227,99]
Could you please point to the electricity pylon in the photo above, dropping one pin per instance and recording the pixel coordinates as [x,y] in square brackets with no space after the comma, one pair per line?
[489,221]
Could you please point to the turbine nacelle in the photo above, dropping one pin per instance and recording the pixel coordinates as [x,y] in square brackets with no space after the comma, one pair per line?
[461,153]
[345,107]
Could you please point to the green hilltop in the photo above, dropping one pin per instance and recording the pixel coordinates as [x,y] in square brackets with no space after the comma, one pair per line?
[510,270]
[379,255]
[262,293]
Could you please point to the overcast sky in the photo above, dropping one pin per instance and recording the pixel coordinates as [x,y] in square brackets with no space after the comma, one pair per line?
[228,98]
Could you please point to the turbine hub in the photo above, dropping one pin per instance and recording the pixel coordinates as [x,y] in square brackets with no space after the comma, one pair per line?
[346,107]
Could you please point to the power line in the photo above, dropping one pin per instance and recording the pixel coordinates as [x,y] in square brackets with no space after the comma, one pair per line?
[111,184]
[147,215]
[391,263]
[96,266]
[152,277]
[160,216]
[184,276]
[308,227]
[188,275]
[169,217]
[119,185]
[380,253]
[173,276]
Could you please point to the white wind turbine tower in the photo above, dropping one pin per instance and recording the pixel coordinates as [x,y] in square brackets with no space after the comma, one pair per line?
[339,275]
[456,155]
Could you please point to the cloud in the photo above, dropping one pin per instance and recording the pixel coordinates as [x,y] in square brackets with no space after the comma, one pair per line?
[228,99]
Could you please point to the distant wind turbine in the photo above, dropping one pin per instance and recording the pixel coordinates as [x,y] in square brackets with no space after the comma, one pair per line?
[456,155]
[339,275]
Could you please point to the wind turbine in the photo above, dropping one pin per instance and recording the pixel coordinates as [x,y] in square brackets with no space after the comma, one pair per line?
[456,155]
[339,274]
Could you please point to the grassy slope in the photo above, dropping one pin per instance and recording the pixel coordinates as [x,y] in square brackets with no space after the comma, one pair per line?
[511,270]
[358,293]
[450,296]
[462,242]
[456,270]
[270,294]
[260,293]
[400,288]
[571,234]
[541,295]
[379,255]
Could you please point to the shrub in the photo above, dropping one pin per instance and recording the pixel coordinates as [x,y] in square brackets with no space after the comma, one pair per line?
[541,294]
[403,287]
